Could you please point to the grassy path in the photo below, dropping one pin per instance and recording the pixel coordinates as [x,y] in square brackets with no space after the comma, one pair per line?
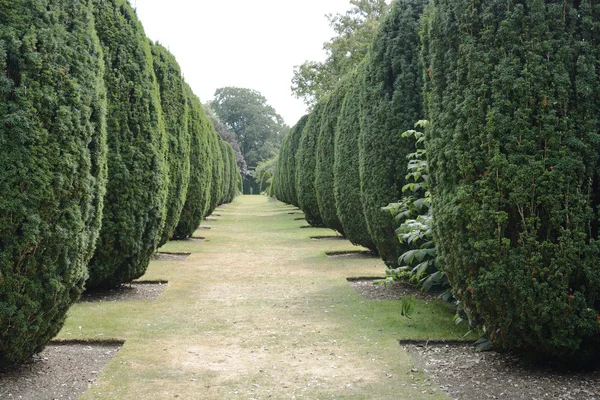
[259,311]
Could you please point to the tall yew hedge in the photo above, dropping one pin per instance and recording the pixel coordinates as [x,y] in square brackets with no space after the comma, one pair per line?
[198,194]
[346,183]
[306,165]
[216,190]
[234,176]
[391,104]
[174,105]
[52,166]
[286,168]
[513,97]
[226,171]
[325,154]
[137,179]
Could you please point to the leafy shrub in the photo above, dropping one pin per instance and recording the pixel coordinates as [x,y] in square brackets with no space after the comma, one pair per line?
[391,101]
[174,105]
[346,183]
[137,186]
[217,172]
[512,93]
[265,181]
[198,194]
[285,177]
[52,166]
[306,167]
[227,167]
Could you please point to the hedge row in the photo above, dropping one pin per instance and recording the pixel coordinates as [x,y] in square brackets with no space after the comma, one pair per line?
[511,90]
[88,166]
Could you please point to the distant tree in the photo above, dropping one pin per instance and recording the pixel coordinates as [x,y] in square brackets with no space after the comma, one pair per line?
[355,31]
[258,127]
[228,136]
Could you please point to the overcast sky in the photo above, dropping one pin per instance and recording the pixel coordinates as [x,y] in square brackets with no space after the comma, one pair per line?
[244,43]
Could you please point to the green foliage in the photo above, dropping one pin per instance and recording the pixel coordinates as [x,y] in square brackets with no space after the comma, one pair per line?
[52,166]
[391,101]
[265,181]
[234,176]
[198,194]
[306,165]
[258,127]
[346,183]
[137,186]
[285,177]
[325,156]
[354,31]
[175,111]
[407,306]
[227,171]
[512,92]
[218,172]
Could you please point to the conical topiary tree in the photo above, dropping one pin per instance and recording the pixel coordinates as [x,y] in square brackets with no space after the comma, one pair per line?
[306,167]
[174,105]
[264,181]
[52,166]
[346,183]
[286,176]
[226,171]
[325,159]
[513,146]
[217,171]
[235,174]
[137,186]
[198,195]
[391,104]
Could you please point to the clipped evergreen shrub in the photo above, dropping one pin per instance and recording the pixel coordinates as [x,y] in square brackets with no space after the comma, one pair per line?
[325,159]
[52,166]
[346,182]
[513,95]
[264,181]
[235,174]
[137,179]
[306,165]
[216,189]
[198,194]
[285,188]
[226,171]
[174,105]
[391,103]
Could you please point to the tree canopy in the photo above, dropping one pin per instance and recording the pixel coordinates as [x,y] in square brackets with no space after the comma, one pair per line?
[258,127]
[355,31]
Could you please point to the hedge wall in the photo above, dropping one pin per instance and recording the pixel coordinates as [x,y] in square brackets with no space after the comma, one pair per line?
[325,159]
[226,171]
[346,182]
[198,194]
[513,95]
[137,186]
[235,174]
[52,166]
[217,171]
[391,104]
[286,167]
[306,164]
[174,105]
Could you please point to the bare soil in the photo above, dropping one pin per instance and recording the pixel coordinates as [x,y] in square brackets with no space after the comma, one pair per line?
[205,227]
[61,371]
[465,374]
[395,291]
[132,291]
[164,256]
[350,254]
[328,237]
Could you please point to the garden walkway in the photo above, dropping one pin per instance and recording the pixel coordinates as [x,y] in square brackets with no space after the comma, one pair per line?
[258,311]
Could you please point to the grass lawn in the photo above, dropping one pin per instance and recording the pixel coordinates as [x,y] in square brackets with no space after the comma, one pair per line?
[259,311]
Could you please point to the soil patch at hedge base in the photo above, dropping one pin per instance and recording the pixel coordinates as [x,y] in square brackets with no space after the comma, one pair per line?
[300,219]
[211,219]
[205,227]
[296,213]
[328,238]
[139,290]
[395,291]
[350,254]
[165,256]
[463,373]
[64,370]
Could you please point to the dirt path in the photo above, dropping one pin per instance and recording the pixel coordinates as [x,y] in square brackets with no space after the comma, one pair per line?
[259,311]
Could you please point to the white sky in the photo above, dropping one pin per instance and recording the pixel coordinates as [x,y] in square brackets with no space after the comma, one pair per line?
[244,43]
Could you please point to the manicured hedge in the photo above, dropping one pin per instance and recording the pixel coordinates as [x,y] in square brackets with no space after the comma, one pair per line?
[226,171]
[174,105]
[513,148]
[52,166]
[235,174]
[217,171]
[264,181]
[391,104]
[325,159]
[137,186]
[198,194]
[286,167]
[306,165]
[348,201]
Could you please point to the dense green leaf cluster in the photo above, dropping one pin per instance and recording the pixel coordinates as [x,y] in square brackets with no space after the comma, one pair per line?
[137,186]
[218,171]
[175,111]
[285,176]
[513,97]
[52,166]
